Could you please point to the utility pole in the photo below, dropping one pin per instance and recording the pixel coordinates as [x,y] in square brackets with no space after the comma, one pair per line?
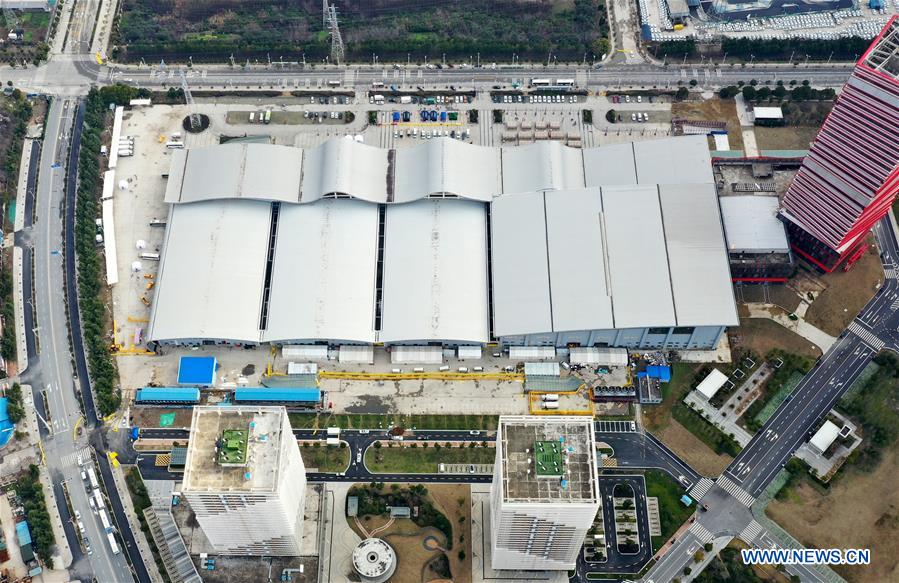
[337,48]
[195,123]
[325,13]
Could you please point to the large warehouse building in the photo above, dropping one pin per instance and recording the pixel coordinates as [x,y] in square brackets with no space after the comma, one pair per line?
[444,243]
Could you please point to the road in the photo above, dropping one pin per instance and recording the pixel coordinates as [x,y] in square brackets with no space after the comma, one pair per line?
[733,493]
[51,374]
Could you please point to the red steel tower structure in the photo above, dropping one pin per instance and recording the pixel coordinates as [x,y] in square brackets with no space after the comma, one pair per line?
[851,175]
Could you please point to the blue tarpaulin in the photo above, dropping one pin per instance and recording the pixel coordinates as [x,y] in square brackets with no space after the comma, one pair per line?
[23,534]
[278,394]
[197,370]
[168,395]
[6,426]
[663,373]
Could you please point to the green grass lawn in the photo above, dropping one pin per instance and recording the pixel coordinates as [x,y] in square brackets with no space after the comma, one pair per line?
[424,459]
[326,459]
[672,512]
[373,421]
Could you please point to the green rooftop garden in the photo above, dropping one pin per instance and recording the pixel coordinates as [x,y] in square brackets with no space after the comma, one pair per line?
[233,447]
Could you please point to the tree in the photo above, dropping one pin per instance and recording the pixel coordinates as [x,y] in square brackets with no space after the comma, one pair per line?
[708,547]
[588,115]
[698,556]
[601,46]
[728,92]
[779,92]
[749,92]
[682,93]
[693,82]
[611,116]
[763,94]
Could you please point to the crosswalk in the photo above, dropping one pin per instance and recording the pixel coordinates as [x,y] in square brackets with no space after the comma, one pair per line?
[742,496]
[71,459]
[889,272]
[752,530]
[894,305]
[702,533]
[866,335]
[701,488]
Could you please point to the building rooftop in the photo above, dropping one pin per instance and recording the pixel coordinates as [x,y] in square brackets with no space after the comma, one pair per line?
[751,224]
[235,449]
[883,55]
[547,459]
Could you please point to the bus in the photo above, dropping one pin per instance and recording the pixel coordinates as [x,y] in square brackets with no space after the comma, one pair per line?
[104,519]
[565,82]
[377,84]
[98,498]
[541,82]
[334,83]
[92,477]
[334,431]
[114,546]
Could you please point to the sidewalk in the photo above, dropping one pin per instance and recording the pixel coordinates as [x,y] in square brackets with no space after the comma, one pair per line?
[22,186]
[64,555]
[747,127]
[19,305]
[142,544]
[816,336]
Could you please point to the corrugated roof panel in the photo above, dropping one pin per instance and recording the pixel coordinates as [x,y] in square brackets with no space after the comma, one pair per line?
[435,275]
[751,224]
[323,284]
[278,394]
[346,167]
[272,172]
[212,173]
[211,276]
[436,166]
[697,256]
[678,160]
[541,166]
[581,299]
[168,395]
[638,262]
[611,165]
[521,301]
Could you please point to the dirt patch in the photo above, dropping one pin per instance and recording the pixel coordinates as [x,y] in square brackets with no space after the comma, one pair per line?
[692,450]
[785,138]
[846,294]
[447,498]
[712,110]
[761,336]
[151,416]
[861,510]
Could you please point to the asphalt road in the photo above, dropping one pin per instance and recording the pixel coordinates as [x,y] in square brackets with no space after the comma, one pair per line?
[760,461]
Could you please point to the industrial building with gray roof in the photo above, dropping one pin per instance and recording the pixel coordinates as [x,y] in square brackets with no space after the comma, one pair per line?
[446,243]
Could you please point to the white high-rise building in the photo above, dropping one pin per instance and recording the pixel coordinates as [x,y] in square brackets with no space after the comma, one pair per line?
[245,481]
[544,495]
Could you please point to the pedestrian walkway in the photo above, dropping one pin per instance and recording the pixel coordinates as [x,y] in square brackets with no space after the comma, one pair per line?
[866,335]
[71,459]
[889,272]
[701,488]
[742,496]
[702,533]
[752,530]
[815,335]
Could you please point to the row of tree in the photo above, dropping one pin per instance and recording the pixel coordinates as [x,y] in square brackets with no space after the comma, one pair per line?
[746,50]
[94,317]
[802,92]
[29,489]
[15,407]
[19,109]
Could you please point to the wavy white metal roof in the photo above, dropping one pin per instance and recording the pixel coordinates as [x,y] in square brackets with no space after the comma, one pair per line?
[323,282]
[435,272]
[249,171]
[212,272]
[611,165]
[447,166]
[344,166]
[542,166]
